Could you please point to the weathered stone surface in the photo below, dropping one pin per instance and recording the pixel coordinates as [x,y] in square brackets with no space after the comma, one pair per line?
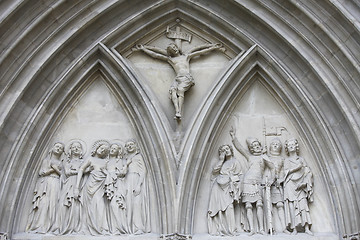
[68,72]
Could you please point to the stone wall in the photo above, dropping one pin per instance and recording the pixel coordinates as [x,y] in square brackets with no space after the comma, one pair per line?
[75,70]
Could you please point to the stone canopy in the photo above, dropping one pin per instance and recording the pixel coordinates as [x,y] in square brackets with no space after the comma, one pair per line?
[179,88]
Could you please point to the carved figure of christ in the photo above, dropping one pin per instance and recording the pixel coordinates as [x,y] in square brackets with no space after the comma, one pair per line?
[180,62]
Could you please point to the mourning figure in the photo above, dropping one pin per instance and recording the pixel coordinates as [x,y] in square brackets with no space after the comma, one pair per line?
[115,189]
[137,197]
[69,204]
[93,193]
[225,192]
[43,216]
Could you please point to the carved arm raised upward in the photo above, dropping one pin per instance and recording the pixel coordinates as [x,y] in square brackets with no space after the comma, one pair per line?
[238,145]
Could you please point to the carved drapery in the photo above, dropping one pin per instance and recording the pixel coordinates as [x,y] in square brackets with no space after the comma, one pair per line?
[315,81]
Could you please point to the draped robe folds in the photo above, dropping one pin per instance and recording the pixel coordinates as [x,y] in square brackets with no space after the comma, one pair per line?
[94,205]
[43,218]
[69,205]
[137,207]
[224,191]
[300,197]
[115,188]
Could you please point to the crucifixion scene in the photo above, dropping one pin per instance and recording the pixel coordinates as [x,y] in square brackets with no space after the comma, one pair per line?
[180,62]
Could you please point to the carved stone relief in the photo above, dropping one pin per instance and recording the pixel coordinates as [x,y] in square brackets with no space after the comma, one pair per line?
[180,62]
[288,182]
[101,194]
[173,62]
[266,185]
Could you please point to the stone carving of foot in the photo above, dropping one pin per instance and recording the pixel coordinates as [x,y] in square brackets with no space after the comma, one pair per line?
[251,233]
[309,232]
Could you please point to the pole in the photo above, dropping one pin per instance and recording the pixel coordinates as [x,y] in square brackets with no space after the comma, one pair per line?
[269,205]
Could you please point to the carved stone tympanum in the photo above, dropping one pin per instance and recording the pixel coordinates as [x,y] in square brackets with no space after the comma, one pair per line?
[101,194]
[261,190]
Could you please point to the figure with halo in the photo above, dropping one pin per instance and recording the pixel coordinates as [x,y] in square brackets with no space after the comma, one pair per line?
[115,189]
[69,204]
[93,193]
[43,216]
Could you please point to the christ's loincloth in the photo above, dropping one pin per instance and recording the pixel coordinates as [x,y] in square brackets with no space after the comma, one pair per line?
[181,84]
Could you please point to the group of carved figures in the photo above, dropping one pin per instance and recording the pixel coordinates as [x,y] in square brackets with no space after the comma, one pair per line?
[265,182]
[105,193]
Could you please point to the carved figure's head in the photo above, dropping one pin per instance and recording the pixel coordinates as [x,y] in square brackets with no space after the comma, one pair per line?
[275,147]
[227,149]
[173,50]
[100,148]
[131,146]
[116,150]
[58,149]
[292,145]
[254,146]
[75,149]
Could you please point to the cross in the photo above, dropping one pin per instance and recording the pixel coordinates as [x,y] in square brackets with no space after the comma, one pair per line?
[178,36]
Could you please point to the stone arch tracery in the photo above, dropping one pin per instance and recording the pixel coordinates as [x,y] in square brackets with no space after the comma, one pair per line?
[315,72]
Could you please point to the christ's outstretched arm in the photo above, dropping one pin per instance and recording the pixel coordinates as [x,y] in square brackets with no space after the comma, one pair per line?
[204,49]
[152,52]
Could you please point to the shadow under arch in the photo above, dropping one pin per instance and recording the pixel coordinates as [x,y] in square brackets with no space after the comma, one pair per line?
[257,65]
[58,101]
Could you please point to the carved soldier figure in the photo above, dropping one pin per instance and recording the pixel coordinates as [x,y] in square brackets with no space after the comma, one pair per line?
[180,62]
[43,217]
[298,189]
[276,174]
[225,192]
[253,178]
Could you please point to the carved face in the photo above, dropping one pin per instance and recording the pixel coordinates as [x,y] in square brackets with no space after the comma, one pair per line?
[76,149]
[58,149]
[291,146]
[227,150]
[114,150]
[173,50]
[102,151]
[256,147]
[275,146]
[130,147]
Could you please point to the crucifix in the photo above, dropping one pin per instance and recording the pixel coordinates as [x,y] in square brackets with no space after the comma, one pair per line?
[180,62]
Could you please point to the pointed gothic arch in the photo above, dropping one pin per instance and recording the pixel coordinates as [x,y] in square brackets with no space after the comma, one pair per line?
[311,48]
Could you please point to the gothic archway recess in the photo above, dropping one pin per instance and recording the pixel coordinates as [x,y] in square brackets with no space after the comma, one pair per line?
[315,43]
